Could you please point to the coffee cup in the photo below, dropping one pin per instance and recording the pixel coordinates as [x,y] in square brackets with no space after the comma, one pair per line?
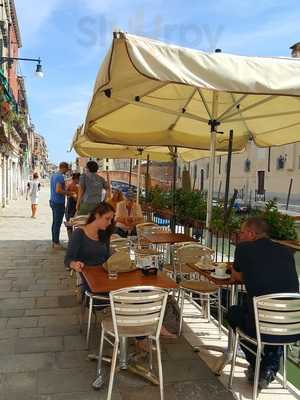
[220,269]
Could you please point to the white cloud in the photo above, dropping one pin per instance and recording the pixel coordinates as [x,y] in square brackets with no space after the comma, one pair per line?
[33,14]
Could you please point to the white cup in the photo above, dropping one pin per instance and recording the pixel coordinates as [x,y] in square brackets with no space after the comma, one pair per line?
[220,270]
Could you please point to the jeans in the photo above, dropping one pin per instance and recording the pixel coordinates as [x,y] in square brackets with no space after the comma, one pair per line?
[58,212]
[239,317]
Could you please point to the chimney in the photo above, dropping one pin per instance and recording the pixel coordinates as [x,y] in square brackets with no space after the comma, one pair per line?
[295,50]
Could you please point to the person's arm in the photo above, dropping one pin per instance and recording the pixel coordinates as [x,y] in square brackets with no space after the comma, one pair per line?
[138,215]
[81,190]
[60,186]
[120,217]
[27,190]
[73,251]
[239,260]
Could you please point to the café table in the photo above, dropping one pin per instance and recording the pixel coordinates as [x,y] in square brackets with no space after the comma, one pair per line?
[99,282]
[164,237]
[231,284]
[158,238]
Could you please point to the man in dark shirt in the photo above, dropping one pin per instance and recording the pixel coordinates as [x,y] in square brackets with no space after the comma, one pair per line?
[265,267]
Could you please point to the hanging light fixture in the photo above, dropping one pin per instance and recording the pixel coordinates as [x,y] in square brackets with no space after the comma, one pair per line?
[39,70]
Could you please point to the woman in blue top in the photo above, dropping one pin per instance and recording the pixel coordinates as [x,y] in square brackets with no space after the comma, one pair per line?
[90,244]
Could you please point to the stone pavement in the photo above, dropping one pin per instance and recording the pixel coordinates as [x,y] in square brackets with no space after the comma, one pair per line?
[42,353]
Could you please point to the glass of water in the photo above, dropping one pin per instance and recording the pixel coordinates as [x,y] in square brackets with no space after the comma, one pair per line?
[112,274]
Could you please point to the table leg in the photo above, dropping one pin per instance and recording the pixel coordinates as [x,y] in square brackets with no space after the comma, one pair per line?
[226,358]
[123,363]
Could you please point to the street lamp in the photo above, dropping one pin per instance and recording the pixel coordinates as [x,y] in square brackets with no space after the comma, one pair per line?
[38,71]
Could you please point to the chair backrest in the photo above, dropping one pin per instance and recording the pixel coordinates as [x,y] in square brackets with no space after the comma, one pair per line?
[277,314]
[191,253]
[138,306]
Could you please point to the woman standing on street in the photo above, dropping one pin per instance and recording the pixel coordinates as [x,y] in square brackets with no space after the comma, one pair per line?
[33,189]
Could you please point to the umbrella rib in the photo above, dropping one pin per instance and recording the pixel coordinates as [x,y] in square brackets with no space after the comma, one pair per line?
[172,126]
[162,109]
[236,102]
[262,116]
[205,104]
[258,103]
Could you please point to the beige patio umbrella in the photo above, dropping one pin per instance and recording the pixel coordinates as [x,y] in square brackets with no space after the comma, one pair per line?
[87,148]
[149,93]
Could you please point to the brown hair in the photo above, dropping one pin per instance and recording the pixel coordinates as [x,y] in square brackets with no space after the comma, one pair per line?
[119,195]
[63,164]
[101,209]
[35,175]
[258,225]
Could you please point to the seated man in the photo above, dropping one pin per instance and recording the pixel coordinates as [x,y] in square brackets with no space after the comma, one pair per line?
[128,215]
[265,267]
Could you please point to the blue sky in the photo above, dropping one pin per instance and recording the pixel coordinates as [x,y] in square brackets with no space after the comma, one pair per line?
[72,37]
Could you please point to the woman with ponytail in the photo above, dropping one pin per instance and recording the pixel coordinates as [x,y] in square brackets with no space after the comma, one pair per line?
[90,244]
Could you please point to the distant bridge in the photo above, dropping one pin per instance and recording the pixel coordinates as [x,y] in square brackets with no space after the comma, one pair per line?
[123,177]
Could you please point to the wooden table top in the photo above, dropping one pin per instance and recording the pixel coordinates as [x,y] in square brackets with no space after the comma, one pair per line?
[166,237]
[218,282]
[98,281]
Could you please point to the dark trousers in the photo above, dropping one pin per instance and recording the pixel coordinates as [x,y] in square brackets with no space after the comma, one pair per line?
[58,212]
[239,317]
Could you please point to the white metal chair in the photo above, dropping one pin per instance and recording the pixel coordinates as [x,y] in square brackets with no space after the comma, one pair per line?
[135,311]
[204,291]
[275,315]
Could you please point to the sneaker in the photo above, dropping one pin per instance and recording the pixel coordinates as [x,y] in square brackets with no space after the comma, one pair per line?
[265,379]
[250,374]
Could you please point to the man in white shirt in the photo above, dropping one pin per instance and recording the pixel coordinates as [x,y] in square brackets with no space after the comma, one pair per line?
[128,215]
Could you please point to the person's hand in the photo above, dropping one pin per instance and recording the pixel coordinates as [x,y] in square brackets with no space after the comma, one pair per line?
[77,265]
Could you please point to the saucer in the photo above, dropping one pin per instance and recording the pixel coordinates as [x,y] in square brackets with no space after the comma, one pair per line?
[226,276]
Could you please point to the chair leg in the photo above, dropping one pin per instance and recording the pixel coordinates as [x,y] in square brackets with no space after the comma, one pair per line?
[181,295]
[82,314]
[98,382]
[219,312]
[256,374]
[160,374]
[112,369]
[208,308]
[150,354]
[89,322]
[233,361]
[284,365]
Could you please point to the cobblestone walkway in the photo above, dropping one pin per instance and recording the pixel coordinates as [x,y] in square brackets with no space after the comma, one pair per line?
[42,353]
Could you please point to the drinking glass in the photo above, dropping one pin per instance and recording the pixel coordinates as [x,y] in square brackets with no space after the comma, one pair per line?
[112,274]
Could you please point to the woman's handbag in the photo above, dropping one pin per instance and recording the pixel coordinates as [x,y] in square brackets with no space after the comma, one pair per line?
[119,262]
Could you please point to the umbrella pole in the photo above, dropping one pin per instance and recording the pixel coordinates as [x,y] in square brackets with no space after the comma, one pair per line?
[130,172]
[214,123]
[138,181]
[228,168]
[147,178]
[173,220]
